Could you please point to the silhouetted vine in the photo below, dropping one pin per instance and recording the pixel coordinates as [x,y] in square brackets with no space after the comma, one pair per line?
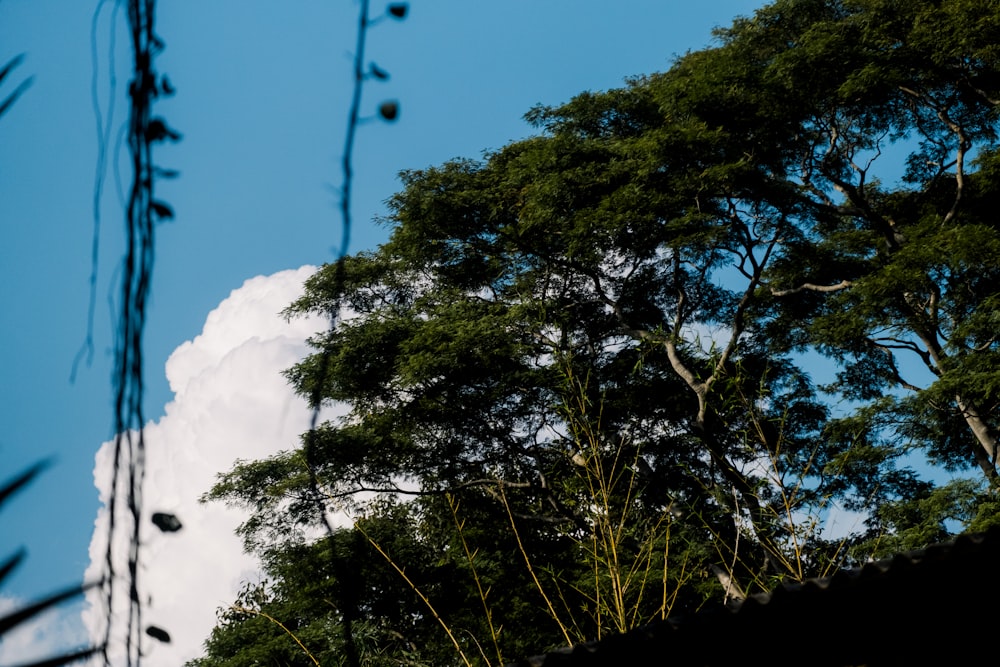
[389,111]
[105,124]
[143,211]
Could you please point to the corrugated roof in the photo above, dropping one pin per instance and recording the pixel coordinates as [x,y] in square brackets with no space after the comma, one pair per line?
[935,605]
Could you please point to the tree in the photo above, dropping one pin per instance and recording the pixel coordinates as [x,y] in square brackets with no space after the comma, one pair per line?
[888,279]
[604,325]
[313,587]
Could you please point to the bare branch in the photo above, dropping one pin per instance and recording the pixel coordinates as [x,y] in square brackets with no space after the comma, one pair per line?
[894,369]
[843,284]
[426,492]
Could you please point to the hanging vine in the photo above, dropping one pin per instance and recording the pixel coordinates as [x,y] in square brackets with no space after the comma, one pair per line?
[388,111]
[142,213]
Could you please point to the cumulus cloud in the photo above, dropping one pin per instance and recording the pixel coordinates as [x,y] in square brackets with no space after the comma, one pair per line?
[230,402]
[52,633]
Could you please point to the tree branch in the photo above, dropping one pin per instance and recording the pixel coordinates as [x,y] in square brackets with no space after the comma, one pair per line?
[427,492]
[811,287]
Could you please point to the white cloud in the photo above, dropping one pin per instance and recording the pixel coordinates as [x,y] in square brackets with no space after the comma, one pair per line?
[52,633]
[231,402]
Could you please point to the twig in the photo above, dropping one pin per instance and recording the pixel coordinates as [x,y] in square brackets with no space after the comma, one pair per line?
[475,575]
[419,593]
[531,571]
[257,612]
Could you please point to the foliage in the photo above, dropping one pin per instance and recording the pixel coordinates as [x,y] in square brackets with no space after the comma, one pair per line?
[9,98]
[30,611]
[313,586]
[597,341]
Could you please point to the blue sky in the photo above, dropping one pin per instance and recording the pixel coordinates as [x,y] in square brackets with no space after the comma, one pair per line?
[263,89]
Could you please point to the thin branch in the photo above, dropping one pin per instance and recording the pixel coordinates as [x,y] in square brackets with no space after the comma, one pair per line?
[419,593]
[811,287]
[426,492]
[534,577]
[483,593]
[257,612]
[309,446]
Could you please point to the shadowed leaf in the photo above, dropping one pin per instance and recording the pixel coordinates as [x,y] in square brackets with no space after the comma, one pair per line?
[11,563]
[7,69]
[168,523]
[11,620]
[162,210]
[159,131]
[64,659]
[389,110]
[16,94]
[166,173]
[21,480]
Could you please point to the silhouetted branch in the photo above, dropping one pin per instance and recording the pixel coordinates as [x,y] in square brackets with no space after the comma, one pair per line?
[397,10]
[142,212]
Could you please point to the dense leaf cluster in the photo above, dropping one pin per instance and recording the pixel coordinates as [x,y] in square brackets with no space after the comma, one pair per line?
[587,357]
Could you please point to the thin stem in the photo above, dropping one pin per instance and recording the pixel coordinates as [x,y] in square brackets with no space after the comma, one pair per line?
[531,570]
[419,593]
[257,612]
[460,525]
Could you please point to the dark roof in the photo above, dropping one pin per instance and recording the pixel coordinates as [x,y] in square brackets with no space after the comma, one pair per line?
[918,608]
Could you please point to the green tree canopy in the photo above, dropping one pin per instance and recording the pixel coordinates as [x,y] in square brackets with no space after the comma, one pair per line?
[595,343]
